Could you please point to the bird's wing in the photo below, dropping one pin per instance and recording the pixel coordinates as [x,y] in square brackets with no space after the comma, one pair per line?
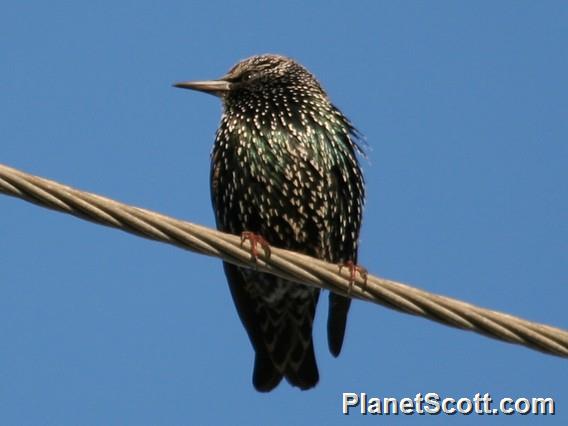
[348,186]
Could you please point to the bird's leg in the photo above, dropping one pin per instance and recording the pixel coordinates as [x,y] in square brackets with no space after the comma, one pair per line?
[255,240]
[353,269]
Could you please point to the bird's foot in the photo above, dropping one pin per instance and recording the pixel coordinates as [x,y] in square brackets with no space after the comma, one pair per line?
[353,269]
[255,240]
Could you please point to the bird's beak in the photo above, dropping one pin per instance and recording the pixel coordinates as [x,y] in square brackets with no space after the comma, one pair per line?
[213,87]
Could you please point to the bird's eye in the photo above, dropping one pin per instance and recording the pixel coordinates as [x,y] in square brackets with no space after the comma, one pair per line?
[248,76]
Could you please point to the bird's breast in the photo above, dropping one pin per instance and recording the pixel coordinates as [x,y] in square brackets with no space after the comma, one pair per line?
[272,183]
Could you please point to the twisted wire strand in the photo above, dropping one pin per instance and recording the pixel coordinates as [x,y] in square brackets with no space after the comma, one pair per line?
[286,264]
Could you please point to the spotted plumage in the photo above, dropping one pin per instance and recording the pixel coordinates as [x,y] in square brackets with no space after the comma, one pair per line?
[284,167]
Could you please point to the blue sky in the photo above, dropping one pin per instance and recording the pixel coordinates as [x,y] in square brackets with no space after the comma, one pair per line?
[464,106]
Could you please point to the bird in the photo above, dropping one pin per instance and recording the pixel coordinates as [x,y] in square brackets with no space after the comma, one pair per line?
[284,173]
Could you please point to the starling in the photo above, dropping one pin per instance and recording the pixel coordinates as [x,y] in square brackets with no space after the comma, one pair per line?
[284,172]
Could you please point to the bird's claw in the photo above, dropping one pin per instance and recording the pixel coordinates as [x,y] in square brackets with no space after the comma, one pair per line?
[255,240]
[353,270]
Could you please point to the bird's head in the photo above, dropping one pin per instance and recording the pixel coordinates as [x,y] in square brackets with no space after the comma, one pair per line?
[264,76]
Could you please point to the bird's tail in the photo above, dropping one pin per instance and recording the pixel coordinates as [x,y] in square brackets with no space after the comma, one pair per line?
[301,373]
[278,317]
[287,349]
[265,376]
